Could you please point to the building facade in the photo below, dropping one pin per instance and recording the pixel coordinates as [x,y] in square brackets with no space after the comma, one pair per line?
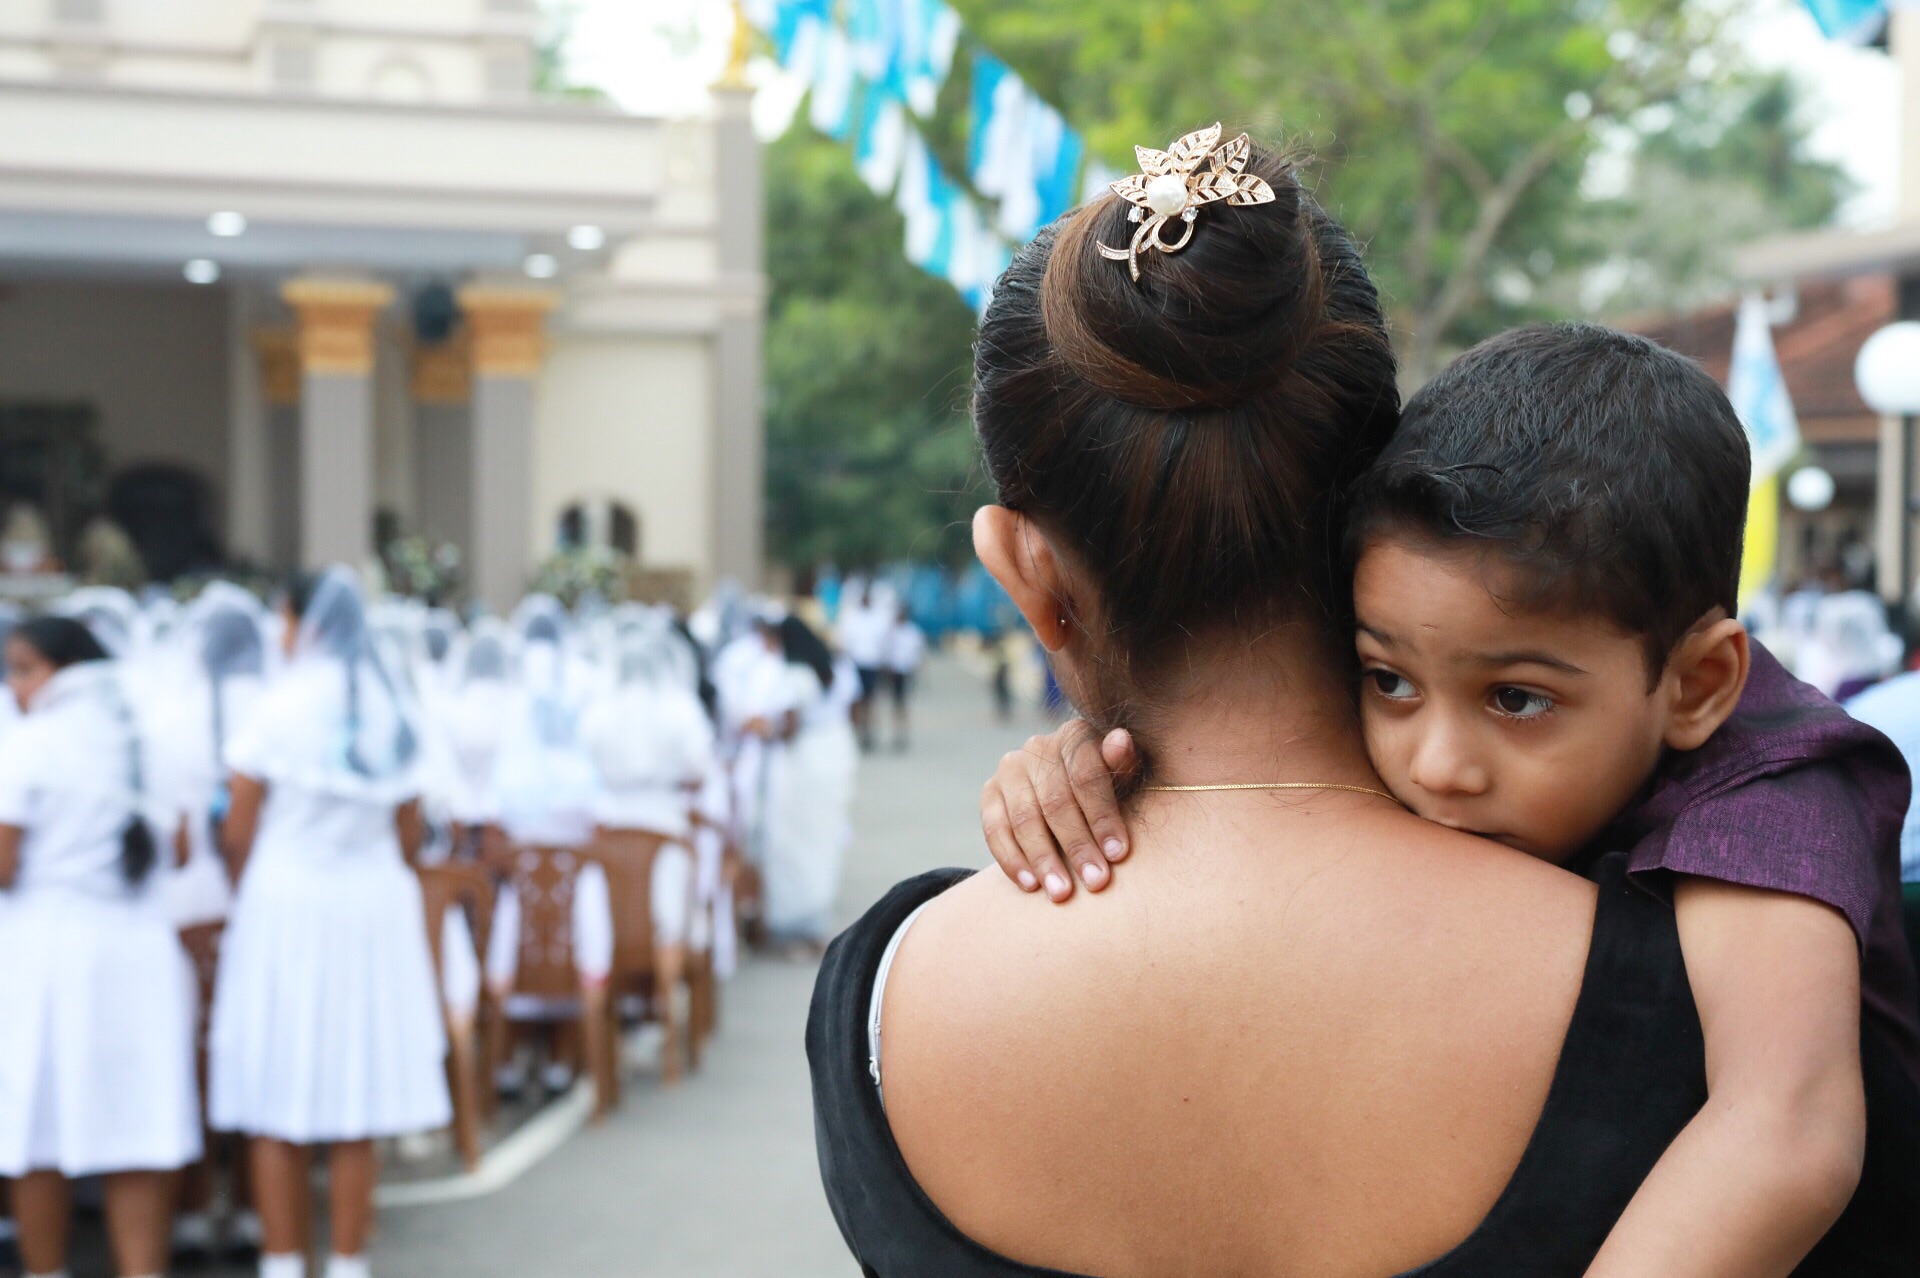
[287,272]
[1880,271]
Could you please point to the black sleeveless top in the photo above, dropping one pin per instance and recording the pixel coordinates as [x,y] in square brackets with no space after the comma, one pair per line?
[1631,1074]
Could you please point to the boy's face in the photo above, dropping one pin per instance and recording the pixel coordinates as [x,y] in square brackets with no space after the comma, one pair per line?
[1530,729]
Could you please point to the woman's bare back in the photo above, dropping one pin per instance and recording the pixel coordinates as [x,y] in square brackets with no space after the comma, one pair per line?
[1289,1040]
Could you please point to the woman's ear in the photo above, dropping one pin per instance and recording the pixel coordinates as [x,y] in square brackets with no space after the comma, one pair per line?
[1023,562]
[1708,672]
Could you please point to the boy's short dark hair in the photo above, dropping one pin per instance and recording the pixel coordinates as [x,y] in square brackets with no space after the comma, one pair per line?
[1609,472]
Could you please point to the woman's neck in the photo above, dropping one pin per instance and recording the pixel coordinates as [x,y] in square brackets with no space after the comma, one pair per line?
[1272,709]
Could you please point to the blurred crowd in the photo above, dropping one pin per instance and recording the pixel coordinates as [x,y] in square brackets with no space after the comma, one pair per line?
[366,827]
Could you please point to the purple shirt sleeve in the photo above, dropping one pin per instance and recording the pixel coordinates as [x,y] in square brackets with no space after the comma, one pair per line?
[1814,830]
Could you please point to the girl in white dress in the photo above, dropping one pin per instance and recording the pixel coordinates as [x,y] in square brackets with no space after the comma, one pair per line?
[97,1001]
[326,1024]
[652,745]
[209,692]
[807,828]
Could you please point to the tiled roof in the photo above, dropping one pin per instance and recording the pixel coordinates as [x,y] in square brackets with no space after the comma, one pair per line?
[1817,349]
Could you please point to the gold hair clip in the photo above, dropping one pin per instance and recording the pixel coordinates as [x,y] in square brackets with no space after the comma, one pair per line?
[1171,184]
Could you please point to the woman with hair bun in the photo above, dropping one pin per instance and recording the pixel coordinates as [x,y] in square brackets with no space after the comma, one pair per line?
[326,1023]
[96,997]
[1307,1031]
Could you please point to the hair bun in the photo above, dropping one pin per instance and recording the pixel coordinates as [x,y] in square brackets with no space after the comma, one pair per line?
[1210,326]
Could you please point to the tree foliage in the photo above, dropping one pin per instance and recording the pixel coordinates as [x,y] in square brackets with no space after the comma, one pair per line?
[1499,160]
[869,452]
[1454,137]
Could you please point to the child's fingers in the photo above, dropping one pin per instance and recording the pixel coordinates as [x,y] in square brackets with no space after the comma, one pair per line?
[1030,829]
[1056,788]
[1118,753]
[1000,840]
[1088,772]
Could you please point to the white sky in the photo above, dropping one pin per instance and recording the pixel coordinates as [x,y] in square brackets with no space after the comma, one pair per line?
[658,56]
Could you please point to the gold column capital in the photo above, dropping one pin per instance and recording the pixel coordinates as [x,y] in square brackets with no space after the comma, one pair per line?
[336,318]
[278,350]
[508,328]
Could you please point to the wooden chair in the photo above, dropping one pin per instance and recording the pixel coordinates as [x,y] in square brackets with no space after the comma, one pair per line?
[468,887]
[646,973]
[547,988]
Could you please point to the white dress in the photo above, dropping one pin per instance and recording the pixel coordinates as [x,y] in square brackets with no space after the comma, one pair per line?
[97,997]
[807,818]
[326,1022]
[649,744]
[753,683]
[185,778]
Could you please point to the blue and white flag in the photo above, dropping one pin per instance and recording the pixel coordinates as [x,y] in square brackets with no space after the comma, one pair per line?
[1021,151]
[998,155]
[873,33]
[834,83]
[929,33]
[1057,155]
[1854,21]
[925,198]
[880,141]
[1759,391]
[790,18]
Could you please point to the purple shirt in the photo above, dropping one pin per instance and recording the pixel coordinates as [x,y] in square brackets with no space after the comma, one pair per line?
[1794,795]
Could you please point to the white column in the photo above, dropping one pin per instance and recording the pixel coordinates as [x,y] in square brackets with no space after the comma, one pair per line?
[1905,46]
[507,329]
[739,405]
[336,321]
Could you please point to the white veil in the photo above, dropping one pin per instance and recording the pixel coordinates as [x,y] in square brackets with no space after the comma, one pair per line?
[335,721]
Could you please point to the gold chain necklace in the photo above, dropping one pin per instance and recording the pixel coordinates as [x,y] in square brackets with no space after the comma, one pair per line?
[1274,785]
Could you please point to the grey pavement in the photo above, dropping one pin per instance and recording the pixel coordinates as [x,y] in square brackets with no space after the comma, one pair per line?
[716,1177]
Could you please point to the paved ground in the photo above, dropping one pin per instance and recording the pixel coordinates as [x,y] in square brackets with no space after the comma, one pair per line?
[716,1178]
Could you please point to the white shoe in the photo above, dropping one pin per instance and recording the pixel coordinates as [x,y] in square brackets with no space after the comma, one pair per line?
[348,1267]
[286,1264]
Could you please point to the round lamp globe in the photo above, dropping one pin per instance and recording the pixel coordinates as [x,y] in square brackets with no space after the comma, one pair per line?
[1888,370]
[1810,489]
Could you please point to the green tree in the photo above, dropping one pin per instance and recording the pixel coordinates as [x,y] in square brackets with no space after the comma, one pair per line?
[1452,136]
[1461,141]
[869,451]
[1727,166]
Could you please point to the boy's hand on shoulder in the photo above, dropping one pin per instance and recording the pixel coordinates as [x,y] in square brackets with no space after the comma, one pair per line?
[1050,813]
[1772,1159]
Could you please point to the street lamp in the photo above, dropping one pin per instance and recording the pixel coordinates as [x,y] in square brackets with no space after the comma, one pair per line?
[1888,375]
[1811,489]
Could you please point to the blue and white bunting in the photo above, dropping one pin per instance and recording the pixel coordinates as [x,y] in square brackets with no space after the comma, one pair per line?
[834,83]
[873,68]
[880,142]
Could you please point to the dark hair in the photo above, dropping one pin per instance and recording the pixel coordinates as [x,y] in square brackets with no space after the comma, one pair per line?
[1608,472]
[64,642]
[801,646]
[61,641]
[299,592]
[1192,436]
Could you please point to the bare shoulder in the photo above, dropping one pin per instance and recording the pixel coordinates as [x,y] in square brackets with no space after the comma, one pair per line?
[1378,998]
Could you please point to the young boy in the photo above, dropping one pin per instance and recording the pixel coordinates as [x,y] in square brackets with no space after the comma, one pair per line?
[1546,557]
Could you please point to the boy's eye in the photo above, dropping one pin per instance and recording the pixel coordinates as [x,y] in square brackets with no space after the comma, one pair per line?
[1521,704]
[1390,685]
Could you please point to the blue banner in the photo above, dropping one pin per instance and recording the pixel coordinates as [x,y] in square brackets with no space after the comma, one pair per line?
[1855,21]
